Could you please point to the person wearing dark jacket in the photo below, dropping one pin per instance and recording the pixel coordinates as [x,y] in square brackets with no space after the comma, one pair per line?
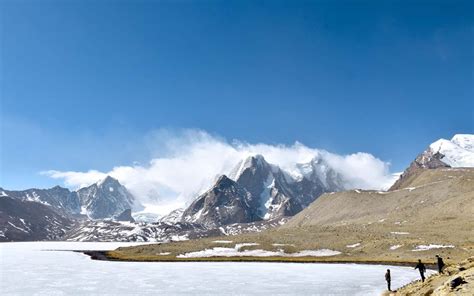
[422,269]
[440,264]
[388,278]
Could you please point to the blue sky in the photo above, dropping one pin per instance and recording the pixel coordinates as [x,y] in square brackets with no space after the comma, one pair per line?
[85,84]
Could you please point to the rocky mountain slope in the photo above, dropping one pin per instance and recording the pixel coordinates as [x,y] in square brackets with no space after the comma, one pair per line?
[225,203]
[257,190]
[23,220]
[105,199]
[109,230]
[47,214]
[61,199]
[457,152]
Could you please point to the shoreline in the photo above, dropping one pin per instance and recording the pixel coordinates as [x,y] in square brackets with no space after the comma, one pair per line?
[103,256]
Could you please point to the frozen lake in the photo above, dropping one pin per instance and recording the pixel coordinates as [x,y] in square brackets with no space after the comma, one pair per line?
[27,269]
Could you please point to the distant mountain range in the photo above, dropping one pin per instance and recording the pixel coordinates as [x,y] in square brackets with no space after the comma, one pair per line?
[104,199]
[255,193]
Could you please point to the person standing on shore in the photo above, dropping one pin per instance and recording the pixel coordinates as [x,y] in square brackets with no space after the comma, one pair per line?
[388,278]
[422,269]
[440,263]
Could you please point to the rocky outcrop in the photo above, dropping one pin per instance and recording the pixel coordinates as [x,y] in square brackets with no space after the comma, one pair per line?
[225,203]
[426,160]
[125,216]
[270,193]
[457,279]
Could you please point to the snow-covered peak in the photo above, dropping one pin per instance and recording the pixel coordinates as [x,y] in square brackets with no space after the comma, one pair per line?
[108,181]
[249,162]
[465,141]
[457,152]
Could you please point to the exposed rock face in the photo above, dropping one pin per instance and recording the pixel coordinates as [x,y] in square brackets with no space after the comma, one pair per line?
[270,192]
[225,203]
[264,192]
[125,216]
[274,193]
[428,159]
[105,199]
[22,220]
[61,199]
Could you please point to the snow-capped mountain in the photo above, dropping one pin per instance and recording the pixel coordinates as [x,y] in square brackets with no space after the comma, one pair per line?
[267,184]
[105,199]
[225,203]
[258,190]
[457,152]
[276,193]
[61,199]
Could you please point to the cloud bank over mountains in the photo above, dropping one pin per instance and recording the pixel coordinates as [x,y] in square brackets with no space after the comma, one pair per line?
[187,162]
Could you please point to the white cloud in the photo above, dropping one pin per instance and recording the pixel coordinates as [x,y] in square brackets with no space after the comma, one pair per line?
[187,162]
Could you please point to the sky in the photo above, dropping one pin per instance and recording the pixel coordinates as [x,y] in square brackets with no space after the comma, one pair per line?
[95,85]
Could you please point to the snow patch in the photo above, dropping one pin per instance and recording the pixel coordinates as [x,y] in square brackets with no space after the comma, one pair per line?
[399,232]
[232,252]
[17,227]
[222,241]
[240,246]
[430,247]
[394,247]
[353,246]
[266,197]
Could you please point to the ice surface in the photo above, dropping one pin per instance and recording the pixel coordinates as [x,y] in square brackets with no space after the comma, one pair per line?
[27,270]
